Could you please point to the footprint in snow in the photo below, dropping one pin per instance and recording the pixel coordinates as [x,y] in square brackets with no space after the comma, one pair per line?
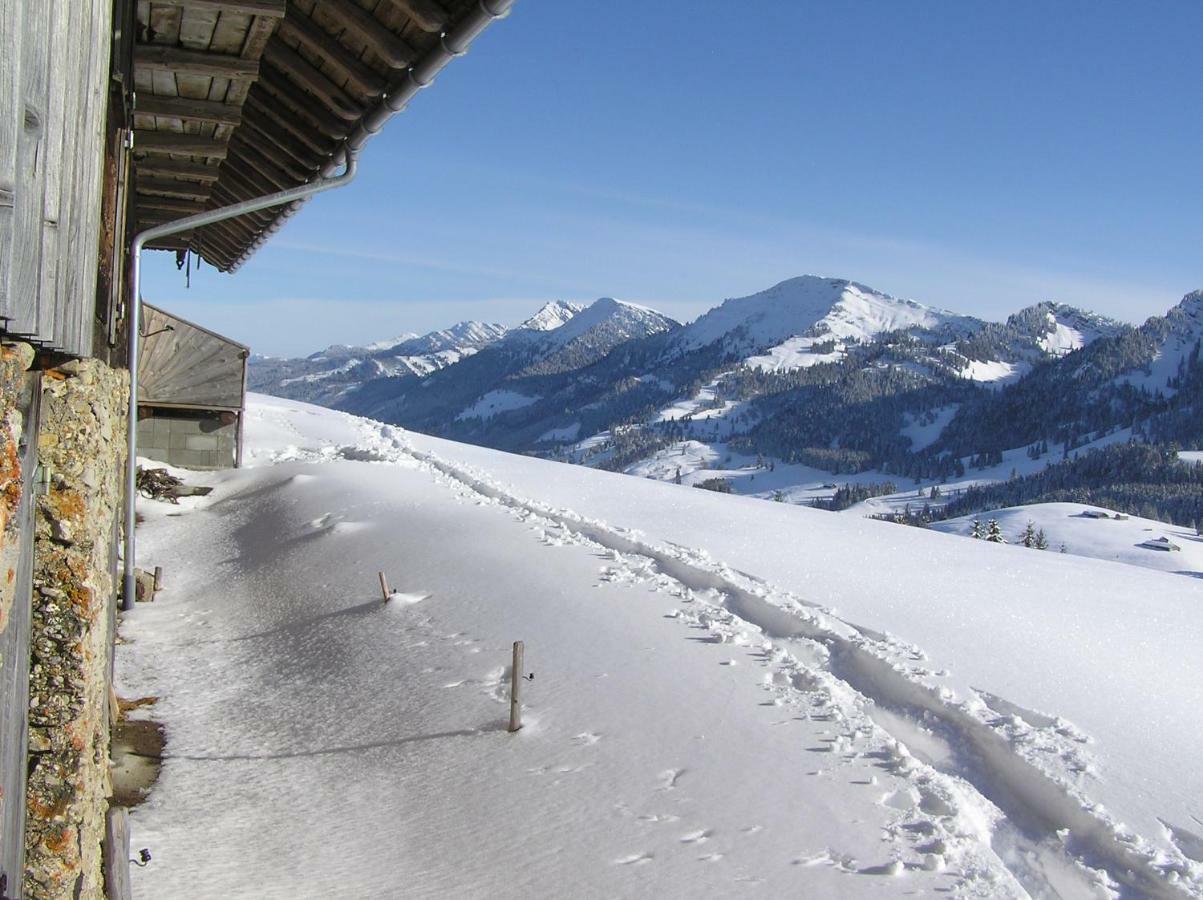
[669,778]
[586,739]
[634,859]
[697,837]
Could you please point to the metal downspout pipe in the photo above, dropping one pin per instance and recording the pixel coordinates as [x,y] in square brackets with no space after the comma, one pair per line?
[452,44]
[326,183]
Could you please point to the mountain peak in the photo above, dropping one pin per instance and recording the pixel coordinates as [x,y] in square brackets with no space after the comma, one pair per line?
[551,316]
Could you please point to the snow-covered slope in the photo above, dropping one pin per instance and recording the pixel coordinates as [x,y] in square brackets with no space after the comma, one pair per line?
[1178,336]
[729,696]
[783,325]
[551,316]
[1097,532]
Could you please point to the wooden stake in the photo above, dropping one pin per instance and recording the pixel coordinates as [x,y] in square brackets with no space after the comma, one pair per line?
[384,587]
[158,578]
[516,688]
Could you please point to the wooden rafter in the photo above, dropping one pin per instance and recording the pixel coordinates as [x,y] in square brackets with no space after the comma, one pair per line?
[272,8]
[171,142]
[393,49]
[152,57]
[426,14]
[170,187]
[307,76]
[192,110]
[177,168]
[302,29]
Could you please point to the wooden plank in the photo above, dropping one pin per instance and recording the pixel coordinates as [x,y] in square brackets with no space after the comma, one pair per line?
[196,27]
[426,14]
[302,29]
[392,48]
[173,188]
[272,8]
[83,276]
[191,144]
[189,366]
[33,91]
[14,656]
[117,885]
[12,17]
[176,168]
[57,159]
[184,108]
[193,62]
[169,204]
[305,74]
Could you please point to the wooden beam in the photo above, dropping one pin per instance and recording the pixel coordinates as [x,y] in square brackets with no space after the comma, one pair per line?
[276,139]
[153,165]
[170,142]
[152,57]
[173,188]
[426,14]
[307,76]
[393,49]
[302,29]
[273,154]
[169,204]
[262,114]
[193,110]
[285,92]
[272,8]
[249,157]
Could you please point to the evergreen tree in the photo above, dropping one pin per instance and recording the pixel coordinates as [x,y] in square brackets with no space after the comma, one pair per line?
[975,530]
[994,532]
[1041,540]
[1028,538]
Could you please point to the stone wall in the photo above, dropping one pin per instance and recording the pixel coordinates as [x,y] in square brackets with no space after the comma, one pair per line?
[193,439]
[82,443]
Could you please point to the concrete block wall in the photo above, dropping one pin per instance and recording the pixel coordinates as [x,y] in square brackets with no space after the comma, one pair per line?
[188,438]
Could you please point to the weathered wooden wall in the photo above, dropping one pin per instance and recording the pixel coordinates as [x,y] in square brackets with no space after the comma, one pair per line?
[54,72]
[189,365]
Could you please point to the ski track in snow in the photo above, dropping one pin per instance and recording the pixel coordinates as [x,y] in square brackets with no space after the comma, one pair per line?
[970,775]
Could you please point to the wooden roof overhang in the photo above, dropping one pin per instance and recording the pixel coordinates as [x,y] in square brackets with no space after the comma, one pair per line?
[235,99]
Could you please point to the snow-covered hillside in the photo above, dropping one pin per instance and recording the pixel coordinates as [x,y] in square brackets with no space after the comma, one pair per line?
[728,697]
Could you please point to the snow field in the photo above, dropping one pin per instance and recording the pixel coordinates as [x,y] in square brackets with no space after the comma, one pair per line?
[910,772]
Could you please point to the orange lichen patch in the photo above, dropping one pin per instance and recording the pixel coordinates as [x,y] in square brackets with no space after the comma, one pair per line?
[81,598]
[12,575]
[67,504]
[59,839]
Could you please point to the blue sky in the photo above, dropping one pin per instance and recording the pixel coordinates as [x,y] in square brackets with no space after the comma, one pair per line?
[976,156]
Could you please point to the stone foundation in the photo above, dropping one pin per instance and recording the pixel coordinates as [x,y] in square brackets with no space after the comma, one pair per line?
[81,442]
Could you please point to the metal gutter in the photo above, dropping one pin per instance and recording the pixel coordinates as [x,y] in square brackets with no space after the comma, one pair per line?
[421,75]
[326,183]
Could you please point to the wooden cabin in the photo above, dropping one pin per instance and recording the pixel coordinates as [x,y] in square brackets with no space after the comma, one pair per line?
[193,393]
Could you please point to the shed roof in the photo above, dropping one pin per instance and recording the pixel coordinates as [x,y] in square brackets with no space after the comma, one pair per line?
[240,98]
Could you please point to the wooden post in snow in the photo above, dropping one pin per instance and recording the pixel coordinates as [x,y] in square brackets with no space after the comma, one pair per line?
[516,688]
[158,578]
[385,592]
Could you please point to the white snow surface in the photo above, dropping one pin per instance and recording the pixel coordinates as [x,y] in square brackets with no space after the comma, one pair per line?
[551,316]
[730,696]
[496,401]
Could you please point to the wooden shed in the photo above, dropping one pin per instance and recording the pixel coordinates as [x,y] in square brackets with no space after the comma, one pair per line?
[193,393]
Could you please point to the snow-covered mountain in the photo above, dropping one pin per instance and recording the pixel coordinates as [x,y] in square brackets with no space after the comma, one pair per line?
[551,316]
[808,320]
[328,375]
